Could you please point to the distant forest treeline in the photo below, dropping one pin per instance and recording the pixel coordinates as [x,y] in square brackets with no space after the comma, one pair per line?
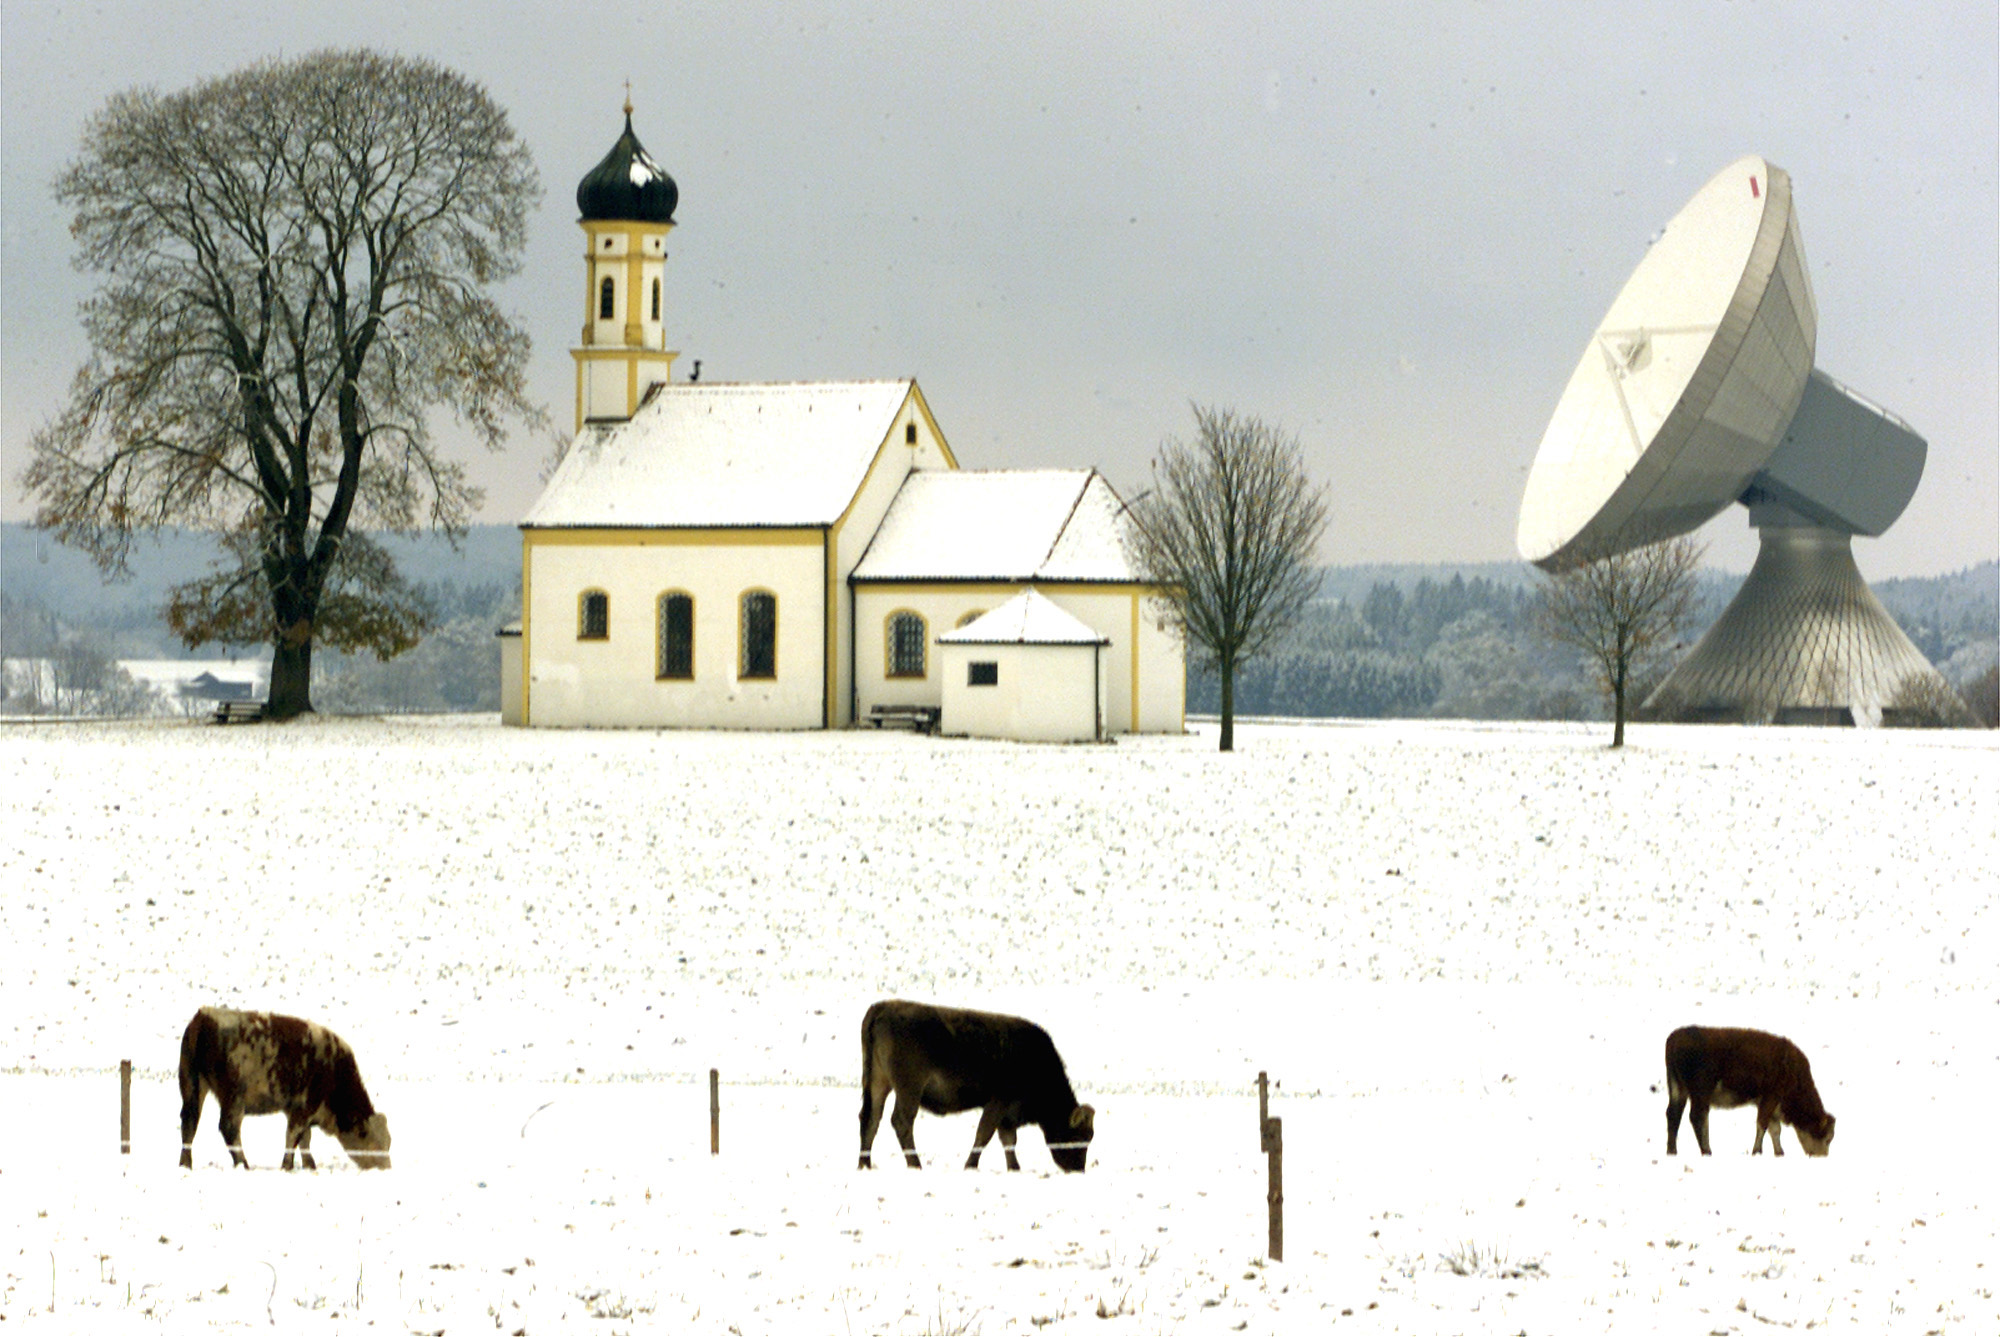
[1380,641]
[1460,643]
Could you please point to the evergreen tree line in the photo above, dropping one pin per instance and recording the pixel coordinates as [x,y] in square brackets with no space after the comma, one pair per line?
[1429,646]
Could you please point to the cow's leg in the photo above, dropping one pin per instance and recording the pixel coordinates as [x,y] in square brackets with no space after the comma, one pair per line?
[1676,1102]
[873,1102]
[904,1121]
[1698,1117]
[298,1137]
[193,1094]
[1767,1117]
[231,1119]
[989,1120]
[1007,1142]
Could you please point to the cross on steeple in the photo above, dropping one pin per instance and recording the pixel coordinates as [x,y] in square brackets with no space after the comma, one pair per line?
[628,97]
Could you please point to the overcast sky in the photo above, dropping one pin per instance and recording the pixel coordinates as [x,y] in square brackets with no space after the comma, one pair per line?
[1388,227]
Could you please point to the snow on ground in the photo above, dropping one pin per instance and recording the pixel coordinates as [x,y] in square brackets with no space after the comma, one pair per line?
[1457,949]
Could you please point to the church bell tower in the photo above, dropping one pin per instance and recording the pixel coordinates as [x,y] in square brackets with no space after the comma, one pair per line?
[626,209]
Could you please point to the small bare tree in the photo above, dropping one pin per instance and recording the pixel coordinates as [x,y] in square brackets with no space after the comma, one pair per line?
[292,269]
[1624,609]
[1229,531]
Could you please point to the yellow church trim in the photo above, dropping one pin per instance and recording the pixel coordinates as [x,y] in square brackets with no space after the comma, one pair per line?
[923,407]
[670,538]
[830,706]
[1133,723]
[527,628]
[635,282]
[631,228]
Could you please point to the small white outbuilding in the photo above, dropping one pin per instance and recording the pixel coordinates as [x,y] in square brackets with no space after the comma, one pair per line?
[1027,671]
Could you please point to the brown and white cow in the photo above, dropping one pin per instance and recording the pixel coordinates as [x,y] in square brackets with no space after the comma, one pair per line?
[1723,1067]
[947,1059]
[265,1063]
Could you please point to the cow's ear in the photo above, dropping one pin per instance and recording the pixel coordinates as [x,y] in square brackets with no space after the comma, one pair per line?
[1083,1117]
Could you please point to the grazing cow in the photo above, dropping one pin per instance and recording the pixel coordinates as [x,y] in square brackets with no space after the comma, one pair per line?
[264,1063]
[946,1059]
[1724,1068]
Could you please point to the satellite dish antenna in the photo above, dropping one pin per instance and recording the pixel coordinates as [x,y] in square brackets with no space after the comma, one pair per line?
[1697,391]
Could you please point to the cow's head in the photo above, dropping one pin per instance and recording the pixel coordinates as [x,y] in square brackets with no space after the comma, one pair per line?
[368,1145]
[1818,1138]
[1073,1149]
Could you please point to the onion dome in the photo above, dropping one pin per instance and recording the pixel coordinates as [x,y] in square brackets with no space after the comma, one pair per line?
[628,186]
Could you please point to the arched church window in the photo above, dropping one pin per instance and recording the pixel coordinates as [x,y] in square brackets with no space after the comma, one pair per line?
[593,621]
[606,300]
[676,636]
[906,646]
[656,299]
[758,656]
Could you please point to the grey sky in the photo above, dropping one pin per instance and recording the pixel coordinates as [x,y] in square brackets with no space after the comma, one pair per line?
[1389,227]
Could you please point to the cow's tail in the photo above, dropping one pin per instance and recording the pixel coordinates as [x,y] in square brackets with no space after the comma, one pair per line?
[871,1110]
[869,1021]
[191,1055]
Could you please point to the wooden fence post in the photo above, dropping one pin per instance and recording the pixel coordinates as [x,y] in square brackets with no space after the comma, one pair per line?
[1263,1111]
[125,1107]
[1274,1150]
[714,1112]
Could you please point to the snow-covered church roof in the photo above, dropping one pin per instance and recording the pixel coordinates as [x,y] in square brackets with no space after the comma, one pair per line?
[1029,618]
[1011,524]
[724,456]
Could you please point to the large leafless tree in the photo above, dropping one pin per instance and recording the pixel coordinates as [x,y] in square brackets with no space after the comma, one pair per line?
[1624,610]
[292,268]
[1230,530]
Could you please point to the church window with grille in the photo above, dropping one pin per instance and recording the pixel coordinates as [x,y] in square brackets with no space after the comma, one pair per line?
[676,636]
[906,646]
[594,616]
[759,652]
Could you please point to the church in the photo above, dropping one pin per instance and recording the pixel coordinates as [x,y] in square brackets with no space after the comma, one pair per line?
[806,555]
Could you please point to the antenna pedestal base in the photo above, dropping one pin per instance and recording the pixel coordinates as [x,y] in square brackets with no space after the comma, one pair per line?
[1805,641]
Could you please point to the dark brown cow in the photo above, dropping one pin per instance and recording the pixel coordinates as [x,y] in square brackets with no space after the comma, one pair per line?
[946,1059]
[264,1063]
[1723,1068]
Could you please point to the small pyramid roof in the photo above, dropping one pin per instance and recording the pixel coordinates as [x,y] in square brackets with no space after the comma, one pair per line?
[1029,618]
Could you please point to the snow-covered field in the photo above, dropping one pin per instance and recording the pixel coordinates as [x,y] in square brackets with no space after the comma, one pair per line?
[1456,949]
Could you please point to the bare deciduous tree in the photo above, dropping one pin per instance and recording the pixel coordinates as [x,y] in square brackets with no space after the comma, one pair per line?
[292,265]
[1623,609]
[1230,529]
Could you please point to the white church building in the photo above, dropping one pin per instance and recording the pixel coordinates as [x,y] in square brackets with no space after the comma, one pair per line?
[799,555]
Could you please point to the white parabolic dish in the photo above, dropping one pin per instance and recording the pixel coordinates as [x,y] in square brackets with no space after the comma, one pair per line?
[1687,386]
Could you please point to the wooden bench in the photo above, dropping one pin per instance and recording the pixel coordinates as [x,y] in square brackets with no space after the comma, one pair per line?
[922,719]
[238,712]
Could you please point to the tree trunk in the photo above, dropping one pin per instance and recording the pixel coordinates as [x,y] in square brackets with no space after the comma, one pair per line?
[291,677]
[1618,706]
[1228,669]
